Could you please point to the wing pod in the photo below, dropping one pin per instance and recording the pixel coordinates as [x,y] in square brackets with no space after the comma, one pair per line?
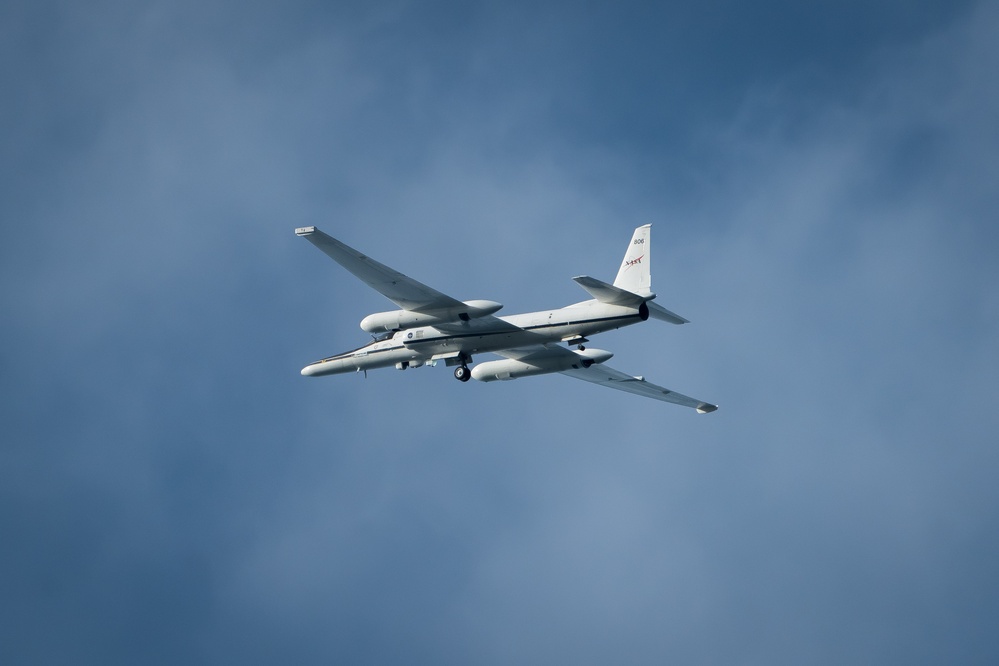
[398,320]
[541,365]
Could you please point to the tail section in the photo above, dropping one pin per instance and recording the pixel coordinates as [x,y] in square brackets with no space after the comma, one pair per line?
[633,285]
[634,274]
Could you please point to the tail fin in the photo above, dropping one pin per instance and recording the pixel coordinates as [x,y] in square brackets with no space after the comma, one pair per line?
[634,274]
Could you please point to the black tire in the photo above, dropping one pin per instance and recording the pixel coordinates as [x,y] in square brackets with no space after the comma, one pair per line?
[462,374]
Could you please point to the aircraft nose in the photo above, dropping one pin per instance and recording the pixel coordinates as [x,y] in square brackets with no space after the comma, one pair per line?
[310,370]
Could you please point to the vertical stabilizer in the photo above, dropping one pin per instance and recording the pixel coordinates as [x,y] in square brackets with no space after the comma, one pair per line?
[634,274]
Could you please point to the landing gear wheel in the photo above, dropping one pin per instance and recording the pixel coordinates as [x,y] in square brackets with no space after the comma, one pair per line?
[462,373]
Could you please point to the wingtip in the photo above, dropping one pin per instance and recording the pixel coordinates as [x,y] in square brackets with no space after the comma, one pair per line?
[705,408]
[304,231]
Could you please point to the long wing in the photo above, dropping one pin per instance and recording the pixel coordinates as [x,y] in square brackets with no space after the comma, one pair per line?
[402,290]
[602,374]
[605,376]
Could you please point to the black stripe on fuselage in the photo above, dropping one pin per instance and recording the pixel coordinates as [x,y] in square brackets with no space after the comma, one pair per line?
[482,334]
[351,353]
[479,334]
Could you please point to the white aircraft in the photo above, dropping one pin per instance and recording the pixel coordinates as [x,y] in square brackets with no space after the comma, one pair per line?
[433,327]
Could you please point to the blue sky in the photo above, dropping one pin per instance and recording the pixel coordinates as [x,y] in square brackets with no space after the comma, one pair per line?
[821,180]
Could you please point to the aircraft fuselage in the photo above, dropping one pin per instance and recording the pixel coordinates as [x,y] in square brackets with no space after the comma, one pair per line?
[417,346]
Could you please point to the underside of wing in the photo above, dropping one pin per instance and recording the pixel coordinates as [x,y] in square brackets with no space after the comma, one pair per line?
[587,365]
[404,291]
[606,376]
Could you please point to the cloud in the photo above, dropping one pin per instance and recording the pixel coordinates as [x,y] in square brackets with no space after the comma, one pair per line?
[173,490]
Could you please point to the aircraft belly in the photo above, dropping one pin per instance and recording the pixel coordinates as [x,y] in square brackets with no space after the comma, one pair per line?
[487,342]
[478,343]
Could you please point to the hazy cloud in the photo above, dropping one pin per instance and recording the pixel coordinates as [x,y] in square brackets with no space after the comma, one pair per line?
[822,189]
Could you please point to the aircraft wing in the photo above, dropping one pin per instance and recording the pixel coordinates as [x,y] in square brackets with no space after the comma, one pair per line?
[602,374]
[402,290]
[606,376]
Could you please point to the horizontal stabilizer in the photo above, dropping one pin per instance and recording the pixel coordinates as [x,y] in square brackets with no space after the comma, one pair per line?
[659,312]
[608,293]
